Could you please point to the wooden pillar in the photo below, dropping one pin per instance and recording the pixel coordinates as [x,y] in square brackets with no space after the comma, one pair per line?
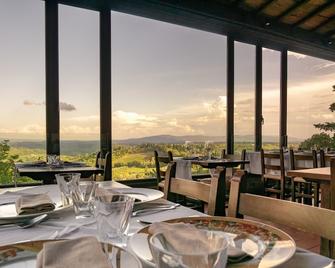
[230,95]
[283,99]
[258,98]
[52,77]
[105,83]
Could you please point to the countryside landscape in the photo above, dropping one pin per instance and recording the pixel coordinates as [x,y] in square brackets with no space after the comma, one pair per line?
[131,159]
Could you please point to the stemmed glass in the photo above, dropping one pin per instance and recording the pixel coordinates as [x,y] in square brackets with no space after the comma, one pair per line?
[209,146]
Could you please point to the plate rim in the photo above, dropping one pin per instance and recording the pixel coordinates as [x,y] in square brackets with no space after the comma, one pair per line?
[265,226]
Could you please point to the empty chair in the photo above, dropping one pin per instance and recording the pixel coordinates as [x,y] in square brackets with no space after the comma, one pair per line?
[273,173]
[300,189]
[159,162]
[306,218]
[212,193]
[106,164]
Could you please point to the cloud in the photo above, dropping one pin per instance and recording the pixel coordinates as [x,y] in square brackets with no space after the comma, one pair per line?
[324,65]
[88,118]
[67,107]
[296,55]
[32,103]
[63,106]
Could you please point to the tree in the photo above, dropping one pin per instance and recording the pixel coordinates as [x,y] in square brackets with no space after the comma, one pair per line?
[6,163]
[322,140]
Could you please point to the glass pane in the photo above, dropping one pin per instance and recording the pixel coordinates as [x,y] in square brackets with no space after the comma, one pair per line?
[244,121]
[79,84]
[271,98]
[22,84]
[168,88]
[310,94]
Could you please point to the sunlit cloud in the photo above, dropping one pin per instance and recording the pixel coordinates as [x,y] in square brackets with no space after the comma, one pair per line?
[63,106]
[296,55]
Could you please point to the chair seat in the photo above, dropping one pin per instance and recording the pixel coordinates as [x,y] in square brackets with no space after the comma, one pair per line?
[299,179]
[272,177]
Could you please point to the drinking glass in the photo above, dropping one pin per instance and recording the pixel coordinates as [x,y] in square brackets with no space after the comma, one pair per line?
[209,146]
[165,256]
[53,160]
[65,183]
[112,212]
[82,197]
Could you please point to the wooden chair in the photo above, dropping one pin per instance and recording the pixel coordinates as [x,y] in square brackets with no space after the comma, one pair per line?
[324,159]
[307,218]
[273,175]
[106,164]
[160,174]
[212,193]
[300,189]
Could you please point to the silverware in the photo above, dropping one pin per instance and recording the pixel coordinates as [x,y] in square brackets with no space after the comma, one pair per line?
[27,223]
[153,210]
[144,222]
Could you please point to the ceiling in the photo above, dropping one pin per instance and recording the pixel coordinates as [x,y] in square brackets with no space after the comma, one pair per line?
[303,26]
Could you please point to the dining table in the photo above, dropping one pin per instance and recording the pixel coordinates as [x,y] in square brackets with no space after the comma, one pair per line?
[46,173]
[327,193]
[64,225]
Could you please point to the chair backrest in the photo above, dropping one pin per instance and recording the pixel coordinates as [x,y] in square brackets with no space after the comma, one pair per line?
[213,192]
[271,157]
[299,216]
[160,174]
[105,163]
[297,158]
[325,159]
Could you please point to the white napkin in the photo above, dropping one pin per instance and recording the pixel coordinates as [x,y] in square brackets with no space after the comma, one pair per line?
[84,252]
[184,169]
[34,203]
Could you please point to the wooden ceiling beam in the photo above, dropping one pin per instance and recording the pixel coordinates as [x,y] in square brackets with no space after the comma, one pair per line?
[263,6]
[313,13]
[290,9]
[330,19]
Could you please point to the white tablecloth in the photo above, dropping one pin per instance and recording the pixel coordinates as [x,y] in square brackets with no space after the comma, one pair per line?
[65,219]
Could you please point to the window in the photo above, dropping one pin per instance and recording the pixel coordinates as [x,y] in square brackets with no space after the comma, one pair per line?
[79,83]
[244,121]
[271,98]
[168,88]
[310,82]
[22,82]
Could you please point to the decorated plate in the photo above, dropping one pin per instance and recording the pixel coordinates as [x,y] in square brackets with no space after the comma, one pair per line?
[266,245]
[24,255]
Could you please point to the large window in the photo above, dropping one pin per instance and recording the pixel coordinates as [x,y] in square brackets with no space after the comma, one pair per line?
[168,88]
[244,97]
[271,98]
[310,82]
[22,83]
[79,83]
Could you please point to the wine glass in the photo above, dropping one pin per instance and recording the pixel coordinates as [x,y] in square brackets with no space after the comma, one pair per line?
[209,146]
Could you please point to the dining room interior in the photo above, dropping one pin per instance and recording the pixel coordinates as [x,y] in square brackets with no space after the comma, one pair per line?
[158,133]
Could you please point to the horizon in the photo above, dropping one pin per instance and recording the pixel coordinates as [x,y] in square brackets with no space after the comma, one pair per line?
[181,91]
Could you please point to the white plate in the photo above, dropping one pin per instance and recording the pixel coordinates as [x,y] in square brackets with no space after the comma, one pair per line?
[8,212]
[141,195]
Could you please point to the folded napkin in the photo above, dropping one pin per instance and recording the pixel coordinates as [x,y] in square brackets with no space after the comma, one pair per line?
[34,203]
[84,252]
[183,238]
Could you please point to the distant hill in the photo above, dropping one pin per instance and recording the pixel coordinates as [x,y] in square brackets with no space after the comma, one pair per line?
[73,147]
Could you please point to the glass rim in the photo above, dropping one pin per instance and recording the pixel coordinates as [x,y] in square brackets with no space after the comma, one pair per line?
[114,194]
[151,243]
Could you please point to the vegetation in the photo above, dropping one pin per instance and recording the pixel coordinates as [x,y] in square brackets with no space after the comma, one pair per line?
[128,161]
[326,139]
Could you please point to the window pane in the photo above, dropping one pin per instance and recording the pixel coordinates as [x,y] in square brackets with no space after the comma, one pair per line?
[310,82]
[22,82]
[168,88]
[244,97]
[271,98]
[79,83]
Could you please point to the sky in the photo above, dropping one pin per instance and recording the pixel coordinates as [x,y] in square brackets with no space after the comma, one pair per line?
[166,79]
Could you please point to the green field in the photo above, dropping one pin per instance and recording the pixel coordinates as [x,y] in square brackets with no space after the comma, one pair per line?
[128,161]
